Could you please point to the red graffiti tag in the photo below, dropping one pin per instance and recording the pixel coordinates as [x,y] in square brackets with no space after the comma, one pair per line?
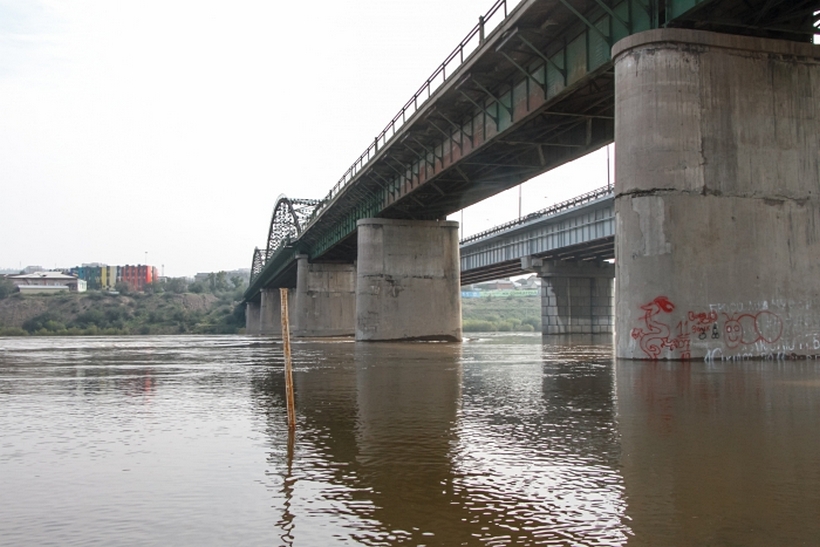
[746,328]
[657,334]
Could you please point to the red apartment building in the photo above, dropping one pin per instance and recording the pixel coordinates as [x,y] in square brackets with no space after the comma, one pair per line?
[138,276]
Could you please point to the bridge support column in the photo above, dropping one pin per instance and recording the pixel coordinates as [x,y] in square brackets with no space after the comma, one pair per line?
[576,297]
[325,299]
[252,316]
[716,197]
[408,280]
[270,312]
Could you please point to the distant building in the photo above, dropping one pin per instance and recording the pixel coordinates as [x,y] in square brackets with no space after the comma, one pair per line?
[90,273]
[138,276]
[531,282]
[102,277]
[47,282]
[109,275]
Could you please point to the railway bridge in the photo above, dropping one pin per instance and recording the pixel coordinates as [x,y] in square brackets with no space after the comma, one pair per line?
[713,107]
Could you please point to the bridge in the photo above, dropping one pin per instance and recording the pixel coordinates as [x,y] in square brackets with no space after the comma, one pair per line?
[717,115]
[570,246]
[579,229]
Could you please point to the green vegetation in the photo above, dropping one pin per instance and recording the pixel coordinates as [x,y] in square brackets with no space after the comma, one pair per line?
[507,313]
[210,306]
[170,307]
[7,288]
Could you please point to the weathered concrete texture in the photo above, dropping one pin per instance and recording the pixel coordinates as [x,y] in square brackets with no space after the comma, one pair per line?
[270,312]
[325,299]
[718,217]
[252,316]
[408,283]
[576,297]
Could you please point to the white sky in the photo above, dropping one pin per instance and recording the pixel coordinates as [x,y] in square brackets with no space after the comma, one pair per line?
[170,127]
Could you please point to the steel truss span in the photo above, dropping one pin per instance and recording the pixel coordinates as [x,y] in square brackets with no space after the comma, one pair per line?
[286,225]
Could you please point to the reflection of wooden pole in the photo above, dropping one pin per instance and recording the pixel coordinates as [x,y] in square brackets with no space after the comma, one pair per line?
[283,296]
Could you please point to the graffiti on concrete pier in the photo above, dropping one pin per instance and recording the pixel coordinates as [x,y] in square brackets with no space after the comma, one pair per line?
[746,328]
[750,332]
[657,335]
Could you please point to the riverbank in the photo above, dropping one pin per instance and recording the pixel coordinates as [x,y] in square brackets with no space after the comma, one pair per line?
[97,313]
[501,314]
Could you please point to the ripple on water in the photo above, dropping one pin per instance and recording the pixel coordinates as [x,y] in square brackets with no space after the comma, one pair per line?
[502,440]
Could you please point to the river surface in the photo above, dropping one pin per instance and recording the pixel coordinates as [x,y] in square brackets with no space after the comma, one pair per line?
[501,440]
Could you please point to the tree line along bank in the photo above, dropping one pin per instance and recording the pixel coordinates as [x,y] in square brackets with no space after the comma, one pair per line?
[169,306]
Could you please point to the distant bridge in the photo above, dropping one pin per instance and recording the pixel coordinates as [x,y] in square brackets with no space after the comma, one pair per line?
[579,229]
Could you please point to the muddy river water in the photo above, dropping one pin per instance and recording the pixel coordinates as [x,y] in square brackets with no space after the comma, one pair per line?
[500,440]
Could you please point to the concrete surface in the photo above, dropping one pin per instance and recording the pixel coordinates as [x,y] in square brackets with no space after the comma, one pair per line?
[270,313]
[408,280]
[576,297]
[716,197]
[252,316]
[324,303]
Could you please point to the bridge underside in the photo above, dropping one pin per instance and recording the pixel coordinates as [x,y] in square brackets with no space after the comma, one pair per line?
[593,251]
[541,95]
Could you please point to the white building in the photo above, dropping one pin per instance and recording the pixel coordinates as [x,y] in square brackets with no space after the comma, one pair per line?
[47,282]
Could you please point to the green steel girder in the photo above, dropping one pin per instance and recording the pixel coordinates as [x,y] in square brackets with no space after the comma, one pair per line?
[424,157]
[447,135]
[594,28]
[549,62]
[429,151]
[525,72]
[614,15]
[457,127]
[494,117]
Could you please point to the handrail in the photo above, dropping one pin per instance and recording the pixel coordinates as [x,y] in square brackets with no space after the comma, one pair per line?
[439,76]
[551,210]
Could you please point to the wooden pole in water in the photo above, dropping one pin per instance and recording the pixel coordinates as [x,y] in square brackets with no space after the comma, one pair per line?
[283,296]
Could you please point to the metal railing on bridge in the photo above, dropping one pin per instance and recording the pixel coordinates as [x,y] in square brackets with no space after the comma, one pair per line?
[578,229]
[486,23]
[603,192]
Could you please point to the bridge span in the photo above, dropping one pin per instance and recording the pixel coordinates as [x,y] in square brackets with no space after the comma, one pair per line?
[581,229]
[718,128]
[571,246]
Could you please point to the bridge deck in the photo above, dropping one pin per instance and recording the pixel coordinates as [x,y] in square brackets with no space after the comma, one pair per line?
[579,229]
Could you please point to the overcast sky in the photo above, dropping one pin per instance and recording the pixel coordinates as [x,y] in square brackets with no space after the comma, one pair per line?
[170,127]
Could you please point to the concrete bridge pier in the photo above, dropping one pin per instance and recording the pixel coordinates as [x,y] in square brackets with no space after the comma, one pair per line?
[324,302]
[576,297]
[408,280]
[717,197]
[252,318]
[270,312]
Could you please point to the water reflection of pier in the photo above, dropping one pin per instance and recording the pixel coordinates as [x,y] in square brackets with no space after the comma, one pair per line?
[442,444]
[720,454]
